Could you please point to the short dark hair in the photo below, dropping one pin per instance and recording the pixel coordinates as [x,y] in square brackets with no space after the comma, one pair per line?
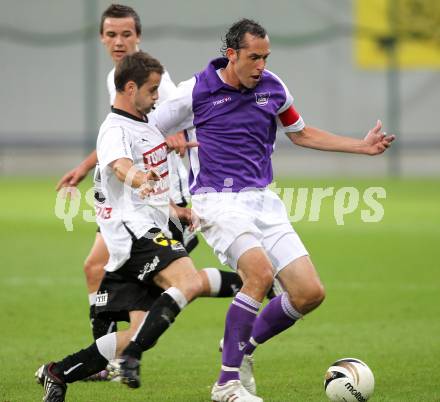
[234,38]
[136,67]
[121,11]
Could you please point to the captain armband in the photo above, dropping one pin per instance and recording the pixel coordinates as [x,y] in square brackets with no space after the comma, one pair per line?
[291,120]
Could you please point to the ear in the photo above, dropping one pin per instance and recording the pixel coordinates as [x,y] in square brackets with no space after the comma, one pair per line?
[130,87]
[231,54]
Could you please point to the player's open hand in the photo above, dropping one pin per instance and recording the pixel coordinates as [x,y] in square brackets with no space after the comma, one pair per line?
[377,141]
[72,178]
[178,143]
[148,186]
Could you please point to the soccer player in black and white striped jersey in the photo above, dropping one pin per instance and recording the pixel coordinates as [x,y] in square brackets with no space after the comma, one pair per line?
[120,31]
[135,227]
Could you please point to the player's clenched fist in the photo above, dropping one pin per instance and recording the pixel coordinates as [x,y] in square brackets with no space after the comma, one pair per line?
[178,143]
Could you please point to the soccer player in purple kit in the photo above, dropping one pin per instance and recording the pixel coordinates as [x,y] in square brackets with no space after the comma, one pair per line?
[232,109]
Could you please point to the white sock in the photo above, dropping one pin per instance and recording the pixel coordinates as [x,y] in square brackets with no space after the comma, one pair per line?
[288,309]
[92,298]
[178,297]
[214,279]
[107,346]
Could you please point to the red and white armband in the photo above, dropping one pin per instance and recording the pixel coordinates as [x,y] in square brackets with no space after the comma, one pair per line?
[291,120]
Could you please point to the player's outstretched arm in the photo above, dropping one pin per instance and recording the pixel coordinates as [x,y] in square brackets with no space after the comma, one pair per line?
[75,176]
[126,172]
[374,143]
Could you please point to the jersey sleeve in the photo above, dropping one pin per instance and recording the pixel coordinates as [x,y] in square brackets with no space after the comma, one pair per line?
[111,86]
[166,88]
[288,117]
[175,113]
[113,144]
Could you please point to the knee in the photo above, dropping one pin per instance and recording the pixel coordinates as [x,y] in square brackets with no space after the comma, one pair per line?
[310,299]
[265,277]
[318,295]
[192,286]
[261,279]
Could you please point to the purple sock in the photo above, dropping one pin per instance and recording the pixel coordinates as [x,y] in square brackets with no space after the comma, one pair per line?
[239,322]
[276,317]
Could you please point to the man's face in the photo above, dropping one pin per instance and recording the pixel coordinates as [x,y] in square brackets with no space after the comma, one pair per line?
[250,61]
[119,37]
[147,95]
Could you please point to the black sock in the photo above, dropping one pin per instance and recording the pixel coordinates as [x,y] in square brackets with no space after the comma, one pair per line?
[230,284]
[80,364]
[101,325]
[161,316]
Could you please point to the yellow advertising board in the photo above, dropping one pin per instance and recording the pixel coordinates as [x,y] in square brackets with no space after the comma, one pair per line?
[414,24]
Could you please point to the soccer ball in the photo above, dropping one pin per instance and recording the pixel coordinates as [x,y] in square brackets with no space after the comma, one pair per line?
[349,380]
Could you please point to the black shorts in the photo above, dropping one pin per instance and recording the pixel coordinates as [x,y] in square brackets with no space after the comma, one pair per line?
[187,238]
[183,235]
[131,287]
[116,297]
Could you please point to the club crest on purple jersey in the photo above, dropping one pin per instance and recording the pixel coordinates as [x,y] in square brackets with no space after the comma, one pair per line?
[262,98]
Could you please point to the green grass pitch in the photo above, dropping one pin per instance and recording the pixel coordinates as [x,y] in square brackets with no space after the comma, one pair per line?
[382,306]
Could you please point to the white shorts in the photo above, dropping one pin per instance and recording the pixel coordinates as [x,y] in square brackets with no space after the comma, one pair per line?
[259,214]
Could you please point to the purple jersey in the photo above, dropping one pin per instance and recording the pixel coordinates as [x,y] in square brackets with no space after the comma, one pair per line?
[235,128]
